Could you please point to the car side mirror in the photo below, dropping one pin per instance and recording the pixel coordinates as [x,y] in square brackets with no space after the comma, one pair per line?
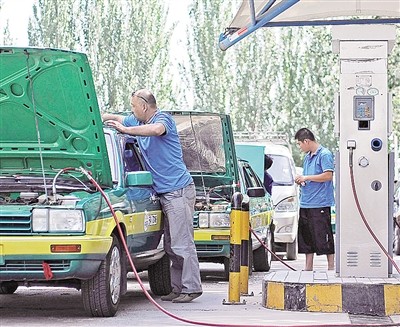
[256,192]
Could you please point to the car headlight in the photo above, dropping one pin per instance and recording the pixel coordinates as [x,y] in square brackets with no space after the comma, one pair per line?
[57,220]
[203,220]
[289,204]
[214,220]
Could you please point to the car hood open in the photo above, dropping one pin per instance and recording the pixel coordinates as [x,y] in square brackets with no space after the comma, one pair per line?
[49,115]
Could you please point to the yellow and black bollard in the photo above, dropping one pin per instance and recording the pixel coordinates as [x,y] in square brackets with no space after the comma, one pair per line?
[245,250]
[235,242]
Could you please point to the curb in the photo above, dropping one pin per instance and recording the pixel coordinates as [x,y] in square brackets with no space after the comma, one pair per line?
[353,298]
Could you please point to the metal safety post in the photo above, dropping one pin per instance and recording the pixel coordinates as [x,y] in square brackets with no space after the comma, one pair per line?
[244,257]
[235,242]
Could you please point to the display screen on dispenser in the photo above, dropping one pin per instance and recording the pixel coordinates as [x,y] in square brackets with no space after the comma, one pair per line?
[363,108]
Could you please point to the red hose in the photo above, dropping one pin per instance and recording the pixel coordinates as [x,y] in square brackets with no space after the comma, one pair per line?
[270,251]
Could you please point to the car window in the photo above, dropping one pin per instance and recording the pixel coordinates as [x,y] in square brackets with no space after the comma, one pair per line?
[112,156]
[281,170]
[131,160]
[130,157]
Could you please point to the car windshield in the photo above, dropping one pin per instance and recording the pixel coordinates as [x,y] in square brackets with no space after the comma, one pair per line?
[281,171]
[202,142]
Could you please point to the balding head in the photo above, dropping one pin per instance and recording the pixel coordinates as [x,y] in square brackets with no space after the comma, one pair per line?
[143,105]
[146,96]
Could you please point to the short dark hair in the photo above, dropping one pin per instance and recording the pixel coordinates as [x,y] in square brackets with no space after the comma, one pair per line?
[304,133]
[268,161]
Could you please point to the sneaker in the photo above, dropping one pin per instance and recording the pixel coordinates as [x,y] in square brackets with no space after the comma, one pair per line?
[186,297]
[170,296]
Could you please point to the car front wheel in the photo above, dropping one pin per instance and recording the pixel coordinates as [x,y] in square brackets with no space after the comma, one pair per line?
[262,257]
[101,294]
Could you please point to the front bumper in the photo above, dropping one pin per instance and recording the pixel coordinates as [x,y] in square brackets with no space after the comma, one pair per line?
[286,224]
[22,257]
[212,243]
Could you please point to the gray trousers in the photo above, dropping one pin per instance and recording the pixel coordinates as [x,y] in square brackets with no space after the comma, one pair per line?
[178,207]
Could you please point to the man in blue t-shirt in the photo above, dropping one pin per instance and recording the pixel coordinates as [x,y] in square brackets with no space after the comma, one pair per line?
[159,143]
[315,233]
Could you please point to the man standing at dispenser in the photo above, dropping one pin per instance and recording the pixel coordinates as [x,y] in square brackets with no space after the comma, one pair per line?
[315,233]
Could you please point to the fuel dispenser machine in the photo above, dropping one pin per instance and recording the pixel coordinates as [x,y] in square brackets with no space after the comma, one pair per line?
[364,165]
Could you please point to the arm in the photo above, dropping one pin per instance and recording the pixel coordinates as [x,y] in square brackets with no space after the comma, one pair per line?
[324,177]
[156,129]
[118,118]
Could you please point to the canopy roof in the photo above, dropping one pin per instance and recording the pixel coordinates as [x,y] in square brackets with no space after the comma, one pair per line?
[254,14]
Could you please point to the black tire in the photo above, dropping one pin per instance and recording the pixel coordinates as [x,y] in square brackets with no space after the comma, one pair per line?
[251,257]
[226,268]
[8,287]
[262,257]
[160,276]
[101,294]
[291,250]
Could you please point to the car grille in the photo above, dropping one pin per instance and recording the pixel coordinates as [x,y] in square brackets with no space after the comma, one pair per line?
[15,225]
[208,248]
[34,265]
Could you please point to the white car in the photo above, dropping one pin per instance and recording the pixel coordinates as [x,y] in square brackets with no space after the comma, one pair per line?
[285,199]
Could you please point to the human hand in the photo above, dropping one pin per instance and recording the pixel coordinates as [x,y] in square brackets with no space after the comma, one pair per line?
[114,124]
[300,180]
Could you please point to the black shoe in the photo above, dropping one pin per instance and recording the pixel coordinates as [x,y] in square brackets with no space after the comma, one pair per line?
[170,296]
[186,297]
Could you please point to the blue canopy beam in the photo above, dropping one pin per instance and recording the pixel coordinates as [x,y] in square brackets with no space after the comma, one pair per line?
[227,41]
[269,13]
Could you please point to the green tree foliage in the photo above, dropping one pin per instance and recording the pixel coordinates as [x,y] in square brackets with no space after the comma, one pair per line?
[307,83]
[394,83]
[255,84]
[6,35]
[7,38]
[126,43]
[209,70]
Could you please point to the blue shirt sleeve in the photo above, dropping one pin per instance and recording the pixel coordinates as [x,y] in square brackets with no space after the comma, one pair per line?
[166,120]
[327,161]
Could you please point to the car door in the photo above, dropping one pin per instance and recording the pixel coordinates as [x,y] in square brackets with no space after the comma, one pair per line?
[261,208]
[261,215]
[141,209]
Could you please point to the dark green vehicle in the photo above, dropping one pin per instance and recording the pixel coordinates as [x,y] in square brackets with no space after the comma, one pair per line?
[56,228]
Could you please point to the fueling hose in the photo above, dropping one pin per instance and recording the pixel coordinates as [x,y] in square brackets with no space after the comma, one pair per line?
[201,323]
[353,186]
[269,250]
